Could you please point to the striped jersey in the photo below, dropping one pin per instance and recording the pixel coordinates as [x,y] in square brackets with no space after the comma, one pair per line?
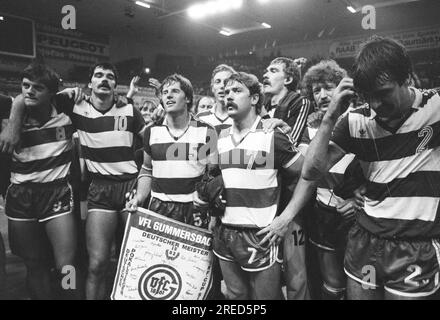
[106,138]
[216,122]
[333,178]
[45,152]
[402,168]
[178,163]
[250,174]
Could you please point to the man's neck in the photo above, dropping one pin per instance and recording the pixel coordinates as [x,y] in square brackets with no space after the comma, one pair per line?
[40,114]
[242,126]
[220,110]
[177,120]
[102,102]
[276,98]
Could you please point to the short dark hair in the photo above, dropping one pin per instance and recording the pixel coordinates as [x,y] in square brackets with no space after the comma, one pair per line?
[220,68]
[185,85]
[105,66]
[39,72]
[322,72]
[378,60]
[251,82]
[290,69]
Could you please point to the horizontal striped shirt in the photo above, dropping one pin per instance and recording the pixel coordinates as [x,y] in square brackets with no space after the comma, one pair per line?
[45,153]
[178,163]
[402,168]
[216,122]
[107,138]
[250,174]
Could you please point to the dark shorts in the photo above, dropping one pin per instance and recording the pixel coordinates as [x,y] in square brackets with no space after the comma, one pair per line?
[240,245]
[38,201]
[327,229]
[183,212]
[108,195]
[403,268]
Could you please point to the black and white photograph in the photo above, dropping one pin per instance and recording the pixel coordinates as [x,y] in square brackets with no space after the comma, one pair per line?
[219,154]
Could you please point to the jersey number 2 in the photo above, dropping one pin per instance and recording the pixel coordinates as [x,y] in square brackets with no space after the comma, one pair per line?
[426,133]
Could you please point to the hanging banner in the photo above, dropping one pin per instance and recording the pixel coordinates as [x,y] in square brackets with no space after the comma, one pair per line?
[71,45]
[163,259]
[421,39]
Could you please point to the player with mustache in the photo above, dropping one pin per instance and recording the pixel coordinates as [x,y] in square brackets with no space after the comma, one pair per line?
[250,159]
[106,129]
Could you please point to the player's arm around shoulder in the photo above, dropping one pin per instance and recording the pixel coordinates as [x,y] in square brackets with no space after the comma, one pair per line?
[287,157]
[10,135]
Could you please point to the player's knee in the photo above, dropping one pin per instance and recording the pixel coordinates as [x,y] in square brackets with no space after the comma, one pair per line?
[97,266]
[335,280]
[237,293]
[333,292]
[65,257]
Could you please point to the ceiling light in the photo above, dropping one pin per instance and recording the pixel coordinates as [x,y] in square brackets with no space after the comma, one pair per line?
[201,10]
[351,9]
[225,32]
[197,11]
[143,4]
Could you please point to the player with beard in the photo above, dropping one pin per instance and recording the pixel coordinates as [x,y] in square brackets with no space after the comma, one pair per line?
[393,249]
[332,215]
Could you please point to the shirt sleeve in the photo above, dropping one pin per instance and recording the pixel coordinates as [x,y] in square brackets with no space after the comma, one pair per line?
[341,134]
[285,152]
[353,178]
[5,106]
[139,122]
[297,119]
[305,138]
[64,104]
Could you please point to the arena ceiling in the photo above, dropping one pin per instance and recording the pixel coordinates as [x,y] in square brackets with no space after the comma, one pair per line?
[291,20]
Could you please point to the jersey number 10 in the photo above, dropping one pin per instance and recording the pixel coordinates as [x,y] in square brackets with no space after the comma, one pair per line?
[120,123]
